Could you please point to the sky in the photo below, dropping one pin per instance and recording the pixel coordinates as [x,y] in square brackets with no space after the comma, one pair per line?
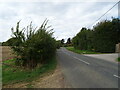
[66,18]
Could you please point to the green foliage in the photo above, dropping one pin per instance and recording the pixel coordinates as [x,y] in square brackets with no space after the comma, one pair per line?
[68,41]
[81,51]
[4,44]
[118,59]
[9,42]
[103,38]
[0,43]
[33,46]
[83,40]
[106,36]
[62,41]
[58,44]
[14,75]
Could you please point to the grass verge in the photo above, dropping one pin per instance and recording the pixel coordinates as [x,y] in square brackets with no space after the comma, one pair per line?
[14,75]
[118,59]
[81,51]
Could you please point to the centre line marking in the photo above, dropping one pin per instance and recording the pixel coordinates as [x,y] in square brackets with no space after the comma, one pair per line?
[82,60]
[116,76]
[78,59]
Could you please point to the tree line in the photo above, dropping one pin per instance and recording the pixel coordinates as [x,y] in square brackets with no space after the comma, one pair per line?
[102,38]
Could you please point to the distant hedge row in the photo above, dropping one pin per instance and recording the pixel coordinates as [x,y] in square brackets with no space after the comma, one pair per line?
[102,38]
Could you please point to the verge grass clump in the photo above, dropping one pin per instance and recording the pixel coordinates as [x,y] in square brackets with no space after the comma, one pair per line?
[118,59]
[81,51]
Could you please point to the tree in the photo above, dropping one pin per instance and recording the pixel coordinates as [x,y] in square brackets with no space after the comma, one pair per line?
[33,46]
[102,38]
[9,42]
[68,41]
[106,35]
[58,44]
[62,41]
[83,40]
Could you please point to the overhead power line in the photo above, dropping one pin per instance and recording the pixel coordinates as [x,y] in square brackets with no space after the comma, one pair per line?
[104,13]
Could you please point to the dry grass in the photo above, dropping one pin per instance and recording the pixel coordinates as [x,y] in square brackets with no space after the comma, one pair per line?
[7,53]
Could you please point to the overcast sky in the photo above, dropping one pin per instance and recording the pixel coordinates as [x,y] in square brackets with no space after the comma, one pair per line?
[67,18]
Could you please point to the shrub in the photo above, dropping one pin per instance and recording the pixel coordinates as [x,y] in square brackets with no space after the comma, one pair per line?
[33,46]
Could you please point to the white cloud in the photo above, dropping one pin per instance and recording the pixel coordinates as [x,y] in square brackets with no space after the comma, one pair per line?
[67,18]
[57,1]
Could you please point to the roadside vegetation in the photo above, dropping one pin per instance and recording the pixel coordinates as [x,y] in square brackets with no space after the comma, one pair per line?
[14,74]
[58,44]
[81,51]
[34,50]
[118,59]
[102,38]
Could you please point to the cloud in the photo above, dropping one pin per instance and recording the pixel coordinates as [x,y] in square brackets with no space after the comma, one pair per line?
[67,18]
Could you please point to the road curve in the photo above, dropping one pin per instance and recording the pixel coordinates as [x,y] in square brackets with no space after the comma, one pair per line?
[87,72]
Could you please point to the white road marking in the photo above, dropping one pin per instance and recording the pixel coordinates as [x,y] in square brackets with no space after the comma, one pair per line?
[82,60]
[116,76]
[87,63]
[78,59]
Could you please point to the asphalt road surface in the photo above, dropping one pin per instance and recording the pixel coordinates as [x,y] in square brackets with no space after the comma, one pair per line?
[87,72]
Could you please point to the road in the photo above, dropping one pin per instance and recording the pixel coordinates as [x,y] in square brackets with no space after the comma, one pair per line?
[87,72]
[109,57]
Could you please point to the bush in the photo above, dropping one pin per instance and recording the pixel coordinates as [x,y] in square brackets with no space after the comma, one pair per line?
[58,44]
[83,40]
[33,46]
[106,35]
